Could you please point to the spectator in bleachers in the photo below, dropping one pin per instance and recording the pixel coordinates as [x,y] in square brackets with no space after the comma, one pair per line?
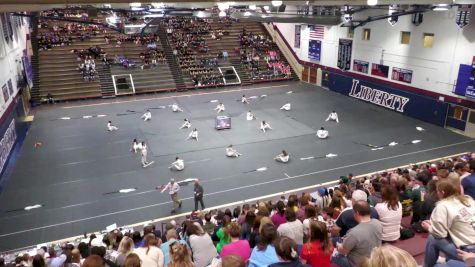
[318,250]
[126,246]
[264,253]
[172,237]
[293,228]
[286,250]
[279,216]
[132,260]
[389,256]
[232,261]
[361,239]
[38,261]
[236,246]
[93,261]
[451,223]
[346,220]
[468,182]
[149,254]
[390,214]
[208,226]
[248,224]
[201,245]
[54,260]
[180,256]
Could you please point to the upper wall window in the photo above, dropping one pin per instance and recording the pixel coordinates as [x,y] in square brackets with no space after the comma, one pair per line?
[405,37]
[351,32]
[366,34]
[428,40]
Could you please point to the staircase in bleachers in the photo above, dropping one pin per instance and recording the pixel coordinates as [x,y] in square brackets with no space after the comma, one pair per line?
[172,61]
[105,78]
[35,91]
[236,63]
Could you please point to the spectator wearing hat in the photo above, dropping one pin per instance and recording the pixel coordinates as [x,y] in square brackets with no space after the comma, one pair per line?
[347,220]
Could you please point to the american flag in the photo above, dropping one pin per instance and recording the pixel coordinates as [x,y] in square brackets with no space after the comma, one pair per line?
[317,31]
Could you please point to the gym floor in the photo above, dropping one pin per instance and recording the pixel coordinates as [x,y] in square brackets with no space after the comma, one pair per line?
[79,162]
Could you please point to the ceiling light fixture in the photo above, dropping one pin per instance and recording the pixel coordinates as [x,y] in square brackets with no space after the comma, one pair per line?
[223,6]
[135,4]
[277,3]
[247,14]
[266,8]
[222,13]
[372,2]
[252,7]
[441,7]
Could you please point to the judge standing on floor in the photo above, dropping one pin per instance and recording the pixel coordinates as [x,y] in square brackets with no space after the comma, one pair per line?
[198,191]
[173,188]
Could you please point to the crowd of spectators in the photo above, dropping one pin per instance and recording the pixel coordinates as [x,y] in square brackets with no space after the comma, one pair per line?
[356,223]
[256,50]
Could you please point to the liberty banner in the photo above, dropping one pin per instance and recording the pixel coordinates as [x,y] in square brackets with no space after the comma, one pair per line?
[314,49]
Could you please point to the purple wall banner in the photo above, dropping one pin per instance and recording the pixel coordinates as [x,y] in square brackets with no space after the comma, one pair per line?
[297,36]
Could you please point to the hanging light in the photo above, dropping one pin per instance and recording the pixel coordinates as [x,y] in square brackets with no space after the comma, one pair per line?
[222,13]
[252,7]
[277,3]
[441,7]
[372,2]
[266,8]
[247,14]
[223,6]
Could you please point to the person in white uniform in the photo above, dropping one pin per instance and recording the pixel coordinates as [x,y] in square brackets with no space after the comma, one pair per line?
[193,135]
[176,108]
[111,127]
[231,152]
[173,189]
[144,155]
[283,157]
[186,124]
[322,133]
[250,116]
[244,100]
[147,116]
[286,107]
[178,164]
[136,145]
[265,126]
[220,108]
[333,116]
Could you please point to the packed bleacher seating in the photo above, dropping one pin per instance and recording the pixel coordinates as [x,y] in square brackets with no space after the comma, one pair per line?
[363,221]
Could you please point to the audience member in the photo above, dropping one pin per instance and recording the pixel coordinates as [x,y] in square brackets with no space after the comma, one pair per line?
[201,245]
[150,255]
[318,250]
[390,214]
[286,250]
[389,256]
[180,256]
[264,253]
[236,246]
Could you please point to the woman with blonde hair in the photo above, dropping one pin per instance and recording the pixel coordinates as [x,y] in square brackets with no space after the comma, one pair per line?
[126,246]
[180,256]
[389,256]
[150,255]
[451,223]
[75,258]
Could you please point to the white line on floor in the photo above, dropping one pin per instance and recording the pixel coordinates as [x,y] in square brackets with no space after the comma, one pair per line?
[196,161]
[174,96]
[286,175]
[234,189]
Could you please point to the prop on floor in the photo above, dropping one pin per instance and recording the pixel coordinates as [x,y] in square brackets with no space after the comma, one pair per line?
[27,208]
[261,169]
[38,144]
[121,191]
[330,155]
[420,129]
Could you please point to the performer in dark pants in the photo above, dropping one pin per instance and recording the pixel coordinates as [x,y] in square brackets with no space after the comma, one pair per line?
[198,195]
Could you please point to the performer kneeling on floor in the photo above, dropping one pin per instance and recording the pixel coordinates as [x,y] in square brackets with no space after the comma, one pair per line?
[193,135]
[173,188]
[250,116]
[231,152]
[220,108]
[147,116]
[244,100]
[111,127]
[283,157]
[178,164]
[333,117]
[176,108]
[322,133]
[186,124]
[265,126]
